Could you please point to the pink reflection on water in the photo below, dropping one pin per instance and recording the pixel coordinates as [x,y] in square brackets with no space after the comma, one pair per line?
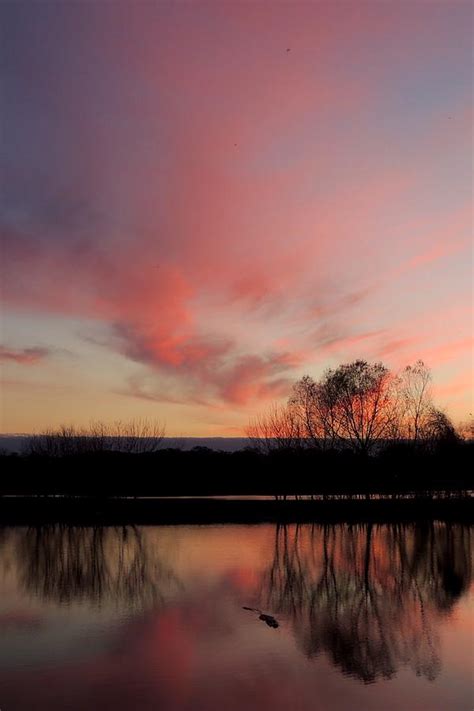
[197,650]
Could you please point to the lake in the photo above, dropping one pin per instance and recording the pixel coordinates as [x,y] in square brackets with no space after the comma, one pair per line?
[152,618]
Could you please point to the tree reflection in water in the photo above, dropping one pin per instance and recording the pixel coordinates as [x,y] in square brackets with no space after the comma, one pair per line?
[112,565]
[370,596]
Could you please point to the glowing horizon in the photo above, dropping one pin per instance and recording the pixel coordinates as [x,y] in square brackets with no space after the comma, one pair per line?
[204,202]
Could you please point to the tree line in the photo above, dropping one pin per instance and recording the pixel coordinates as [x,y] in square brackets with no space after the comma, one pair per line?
[359,406]
[140,436]
[360,430]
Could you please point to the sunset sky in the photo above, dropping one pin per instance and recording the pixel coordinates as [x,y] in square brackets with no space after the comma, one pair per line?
[202,202]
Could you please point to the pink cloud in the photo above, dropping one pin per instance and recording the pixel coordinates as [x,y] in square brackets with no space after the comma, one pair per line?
[395,346]
[243,380]
[447,352]
[209,204]
[459,385]
[433,253]
[24,356]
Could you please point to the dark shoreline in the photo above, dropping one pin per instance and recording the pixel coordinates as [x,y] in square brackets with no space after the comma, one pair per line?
[31,510]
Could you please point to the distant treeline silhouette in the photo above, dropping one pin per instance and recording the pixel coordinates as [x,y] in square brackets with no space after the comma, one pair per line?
[358,431]
[132,437]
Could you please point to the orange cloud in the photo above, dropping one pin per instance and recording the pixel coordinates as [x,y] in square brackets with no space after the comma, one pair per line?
[24,356]
[202,206]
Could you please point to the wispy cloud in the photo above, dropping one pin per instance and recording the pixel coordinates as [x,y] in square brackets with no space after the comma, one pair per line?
[24,356]
[226,219]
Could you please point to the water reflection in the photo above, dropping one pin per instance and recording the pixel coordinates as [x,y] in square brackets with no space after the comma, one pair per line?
[93,564]
[166,605]
[369,596]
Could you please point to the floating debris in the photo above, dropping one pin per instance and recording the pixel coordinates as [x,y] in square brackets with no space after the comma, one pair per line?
[268,619]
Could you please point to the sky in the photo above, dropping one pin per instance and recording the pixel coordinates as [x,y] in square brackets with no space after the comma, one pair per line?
[201,202]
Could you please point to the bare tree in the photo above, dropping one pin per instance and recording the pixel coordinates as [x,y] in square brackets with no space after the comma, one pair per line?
[363,401]
[358,405]
[278,428]
[138,436]
[66,440]
[438,428]
[133,437]
[415,385]
[314,406]
[302,403]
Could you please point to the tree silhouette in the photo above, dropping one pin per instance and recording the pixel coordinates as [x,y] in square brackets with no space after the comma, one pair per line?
[138,436]
[415,385]
[363,400]
[357,405]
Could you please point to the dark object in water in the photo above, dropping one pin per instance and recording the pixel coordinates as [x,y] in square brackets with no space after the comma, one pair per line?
[268,619]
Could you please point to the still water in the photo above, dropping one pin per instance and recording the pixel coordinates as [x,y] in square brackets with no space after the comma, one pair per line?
[369,617]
